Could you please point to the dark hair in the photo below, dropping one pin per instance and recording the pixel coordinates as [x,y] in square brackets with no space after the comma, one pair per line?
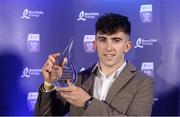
[111,23]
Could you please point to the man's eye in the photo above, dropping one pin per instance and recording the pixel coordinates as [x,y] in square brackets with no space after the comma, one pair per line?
[116,40]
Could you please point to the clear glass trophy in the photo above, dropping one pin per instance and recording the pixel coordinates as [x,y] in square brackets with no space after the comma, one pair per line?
[68,71]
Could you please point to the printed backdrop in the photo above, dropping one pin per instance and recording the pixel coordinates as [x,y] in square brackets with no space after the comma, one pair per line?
[30,30]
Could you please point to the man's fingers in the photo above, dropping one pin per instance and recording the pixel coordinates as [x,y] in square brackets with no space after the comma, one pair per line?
[51,59]
[55,55]
[48,65]
[64,94]
[70,83]
[65,89]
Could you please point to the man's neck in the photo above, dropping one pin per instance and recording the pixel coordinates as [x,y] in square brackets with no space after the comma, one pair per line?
[109,70]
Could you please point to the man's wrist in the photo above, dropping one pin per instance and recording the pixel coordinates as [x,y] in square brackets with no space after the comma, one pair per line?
[88,102]
[48,87]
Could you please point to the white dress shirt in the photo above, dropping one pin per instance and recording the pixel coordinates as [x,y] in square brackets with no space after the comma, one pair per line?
[102,83]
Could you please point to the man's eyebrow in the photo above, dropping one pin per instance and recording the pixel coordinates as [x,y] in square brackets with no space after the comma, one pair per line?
[117,38]
[101,37]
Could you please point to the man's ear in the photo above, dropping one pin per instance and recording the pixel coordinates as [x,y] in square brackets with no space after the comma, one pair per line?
[94,44]
[128,46]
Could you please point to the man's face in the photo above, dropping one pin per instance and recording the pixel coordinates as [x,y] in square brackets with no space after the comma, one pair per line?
[111,48]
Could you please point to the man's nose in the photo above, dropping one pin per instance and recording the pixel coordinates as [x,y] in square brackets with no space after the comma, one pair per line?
[109,46]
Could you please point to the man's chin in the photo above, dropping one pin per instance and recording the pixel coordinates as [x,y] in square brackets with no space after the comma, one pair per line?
[110,64]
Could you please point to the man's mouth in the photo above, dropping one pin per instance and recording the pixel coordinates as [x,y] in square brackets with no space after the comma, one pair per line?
[109,56]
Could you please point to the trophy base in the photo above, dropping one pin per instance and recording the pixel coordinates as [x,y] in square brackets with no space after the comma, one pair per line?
[61,83]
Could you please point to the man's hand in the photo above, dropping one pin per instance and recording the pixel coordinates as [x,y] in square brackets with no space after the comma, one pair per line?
[74,95]
[50,67]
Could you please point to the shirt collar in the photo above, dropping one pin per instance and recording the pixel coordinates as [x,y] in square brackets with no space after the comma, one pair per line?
[95,67]
[115,73]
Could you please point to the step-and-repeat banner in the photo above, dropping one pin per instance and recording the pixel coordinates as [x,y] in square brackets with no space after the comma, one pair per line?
[31,30]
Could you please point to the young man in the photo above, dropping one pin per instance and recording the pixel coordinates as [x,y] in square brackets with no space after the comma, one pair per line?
[111,87]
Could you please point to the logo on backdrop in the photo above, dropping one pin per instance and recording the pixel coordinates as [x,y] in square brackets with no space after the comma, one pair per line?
[88,43]
[83,16]
[140,43]
[146,13]
[31,100]
[27,14]
[33,43]
[148,68]
[28,72]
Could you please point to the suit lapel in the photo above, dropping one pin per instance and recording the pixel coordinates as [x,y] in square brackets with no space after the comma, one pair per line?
[88,81]
[88,85]
[120,82]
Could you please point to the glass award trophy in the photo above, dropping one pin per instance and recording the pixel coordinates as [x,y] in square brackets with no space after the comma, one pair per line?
[68,71]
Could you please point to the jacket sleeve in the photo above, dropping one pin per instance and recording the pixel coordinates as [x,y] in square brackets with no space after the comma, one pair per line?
[50,104]
[141,104]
